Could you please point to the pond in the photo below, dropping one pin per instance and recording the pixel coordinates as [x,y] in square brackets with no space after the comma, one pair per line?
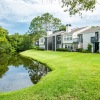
[17,72]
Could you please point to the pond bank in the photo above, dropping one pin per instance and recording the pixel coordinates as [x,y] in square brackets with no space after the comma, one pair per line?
[74,75]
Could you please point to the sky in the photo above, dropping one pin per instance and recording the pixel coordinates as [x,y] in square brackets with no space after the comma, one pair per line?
[16,15]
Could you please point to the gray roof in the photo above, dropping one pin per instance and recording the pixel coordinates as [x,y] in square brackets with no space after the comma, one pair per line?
[76,29]
[91,30]
[72,31]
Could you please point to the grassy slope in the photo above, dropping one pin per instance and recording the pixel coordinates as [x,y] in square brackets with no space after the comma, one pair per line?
[75,75]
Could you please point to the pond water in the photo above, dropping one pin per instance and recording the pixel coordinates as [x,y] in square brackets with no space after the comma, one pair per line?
[17,72]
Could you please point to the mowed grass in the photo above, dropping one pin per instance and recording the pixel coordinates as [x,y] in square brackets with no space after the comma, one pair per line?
[74,76]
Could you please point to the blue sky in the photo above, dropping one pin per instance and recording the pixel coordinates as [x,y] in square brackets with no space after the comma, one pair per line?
[16,15]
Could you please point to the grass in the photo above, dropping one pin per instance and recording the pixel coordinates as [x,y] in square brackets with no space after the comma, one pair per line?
[74,76]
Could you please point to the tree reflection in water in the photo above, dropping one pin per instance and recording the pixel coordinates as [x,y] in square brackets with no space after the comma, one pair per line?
[37,72]
[35,69]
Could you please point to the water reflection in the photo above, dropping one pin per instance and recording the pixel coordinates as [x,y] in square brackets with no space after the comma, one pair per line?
[17,72]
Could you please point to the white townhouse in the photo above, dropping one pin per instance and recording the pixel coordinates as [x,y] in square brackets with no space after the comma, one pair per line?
[90,36]
[72,39]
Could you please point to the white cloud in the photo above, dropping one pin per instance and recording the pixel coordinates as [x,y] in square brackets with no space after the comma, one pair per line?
[23,11]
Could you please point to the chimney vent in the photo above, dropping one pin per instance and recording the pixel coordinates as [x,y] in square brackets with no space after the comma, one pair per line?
[68,28]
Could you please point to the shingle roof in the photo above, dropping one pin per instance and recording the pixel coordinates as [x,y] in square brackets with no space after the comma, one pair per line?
[72,31]
[91,30]
[75,30]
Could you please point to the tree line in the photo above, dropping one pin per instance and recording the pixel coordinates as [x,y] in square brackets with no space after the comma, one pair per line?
[15,42]
[38,28]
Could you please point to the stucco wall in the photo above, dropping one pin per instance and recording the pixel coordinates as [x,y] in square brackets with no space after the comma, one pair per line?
[68,44]
[87,39]
[41,44]
[67,41]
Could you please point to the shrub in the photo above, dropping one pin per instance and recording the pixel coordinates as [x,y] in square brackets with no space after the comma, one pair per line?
[89,48]
[61,49]
[84,51]
[79,49]
[38,48]
[97,51]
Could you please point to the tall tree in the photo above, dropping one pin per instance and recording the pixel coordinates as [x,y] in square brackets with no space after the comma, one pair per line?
[41,24]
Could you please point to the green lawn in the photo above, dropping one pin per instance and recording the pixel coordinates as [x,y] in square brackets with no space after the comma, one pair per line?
[74,75]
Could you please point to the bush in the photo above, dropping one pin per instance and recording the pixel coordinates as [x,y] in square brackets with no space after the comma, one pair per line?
[61,49]
[42,49]
[79,49]
[97,51]
[84,51]
[89,48]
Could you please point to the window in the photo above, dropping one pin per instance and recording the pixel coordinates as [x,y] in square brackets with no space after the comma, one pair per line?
[66,46]
[58,46]
[68,38]
[65,38]
[58,38]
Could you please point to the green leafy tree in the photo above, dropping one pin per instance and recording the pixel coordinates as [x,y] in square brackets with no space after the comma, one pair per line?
[77,6]
[41,24]
[62,28]
[26,43]
[15,41]
[20,42]
[5,46]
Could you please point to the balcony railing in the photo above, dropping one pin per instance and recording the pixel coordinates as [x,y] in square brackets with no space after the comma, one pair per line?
[94,39]
[80,40]
[77,40]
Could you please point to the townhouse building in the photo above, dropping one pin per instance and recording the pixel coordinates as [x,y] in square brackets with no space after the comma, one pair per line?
[90,36]
[72,39]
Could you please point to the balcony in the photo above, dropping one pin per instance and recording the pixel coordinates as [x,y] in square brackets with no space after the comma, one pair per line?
[80,40]
[75,40]
[94,39]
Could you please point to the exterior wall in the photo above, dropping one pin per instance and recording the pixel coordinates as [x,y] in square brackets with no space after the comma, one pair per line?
[58,42]
[49,43]
[42,42]
[99,47]
[80,45]
[68,28]
[75,46]
[69,46]
[53,43]
[66,41]
[87,39]
[46,43]
[99,35]
[75,35]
